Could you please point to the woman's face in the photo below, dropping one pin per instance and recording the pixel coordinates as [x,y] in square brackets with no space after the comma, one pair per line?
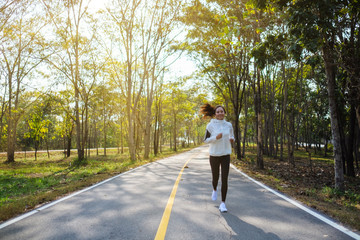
[219,113]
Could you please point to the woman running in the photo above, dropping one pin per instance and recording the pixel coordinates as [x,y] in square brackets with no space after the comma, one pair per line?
[220,135]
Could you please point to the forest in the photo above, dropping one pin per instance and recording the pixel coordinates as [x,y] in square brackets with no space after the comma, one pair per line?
[80,74]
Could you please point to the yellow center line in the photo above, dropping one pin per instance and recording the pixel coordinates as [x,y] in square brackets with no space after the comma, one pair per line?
[161,232]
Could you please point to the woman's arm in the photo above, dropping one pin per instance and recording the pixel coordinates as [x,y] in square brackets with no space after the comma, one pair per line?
[232,138]
[208,138]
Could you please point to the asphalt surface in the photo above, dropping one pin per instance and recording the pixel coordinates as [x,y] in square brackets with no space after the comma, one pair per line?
[131,205]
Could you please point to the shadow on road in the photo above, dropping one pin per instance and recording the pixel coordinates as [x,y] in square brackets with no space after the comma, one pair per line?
[242,230]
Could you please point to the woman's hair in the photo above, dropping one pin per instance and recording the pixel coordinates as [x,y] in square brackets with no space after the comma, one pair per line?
[208,110]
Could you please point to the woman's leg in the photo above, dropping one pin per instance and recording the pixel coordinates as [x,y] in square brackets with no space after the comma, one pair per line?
[225,164]
[215,165]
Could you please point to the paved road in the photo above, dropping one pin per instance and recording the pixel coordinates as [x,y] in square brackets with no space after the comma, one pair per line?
[131,206]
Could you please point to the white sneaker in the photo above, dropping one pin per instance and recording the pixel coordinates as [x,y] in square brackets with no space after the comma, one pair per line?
[222,207]
[214,195]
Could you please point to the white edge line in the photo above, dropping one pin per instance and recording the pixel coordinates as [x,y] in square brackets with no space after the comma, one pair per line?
[28,214]
[306,209]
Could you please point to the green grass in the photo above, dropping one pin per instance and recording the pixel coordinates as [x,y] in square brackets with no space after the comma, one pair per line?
[27,183]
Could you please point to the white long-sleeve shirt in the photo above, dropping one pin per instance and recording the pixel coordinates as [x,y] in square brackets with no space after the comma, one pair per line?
[222,146]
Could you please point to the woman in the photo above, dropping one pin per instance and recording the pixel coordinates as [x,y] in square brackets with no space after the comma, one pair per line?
[220,135]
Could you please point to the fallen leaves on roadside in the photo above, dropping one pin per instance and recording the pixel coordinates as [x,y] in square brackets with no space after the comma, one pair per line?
[312,184]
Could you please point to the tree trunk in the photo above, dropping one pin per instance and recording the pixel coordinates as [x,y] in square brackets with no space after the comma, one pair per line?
[266,134]
[291,122]
[121,136]
[157,127]
[272,119]
[161,131]
[131,118]
[11,142]
[350,171]
[104,133]
[138,131]
[284,113]
[89,140]
[147,133]
[260,161]
[79,132]
[11,129]
[36,149]
[86,132]
[245,125]
[47,145]
[290,138]
[357,146]
[149,103]
[174,132]
[330,69]
[96,139]
[12,121]
[68,149]
[341,119]
[237,134]
[156,136]
[3,112]
[358,115]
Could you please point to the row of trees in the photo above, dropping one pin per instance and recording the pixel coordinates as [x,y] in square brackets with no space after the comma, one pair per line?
[47,124]
[295,64]
[277,66]
[106,69]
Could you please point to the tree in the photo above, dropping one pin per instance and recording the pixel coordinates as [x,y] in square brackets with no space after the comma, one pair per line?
[157,29]
[105,100]
[71,49]
[7,10]
[38,126]
[22,50]
[178,111]
[125,20]
[65,126]
[220,41]
[327,27]
[319,30]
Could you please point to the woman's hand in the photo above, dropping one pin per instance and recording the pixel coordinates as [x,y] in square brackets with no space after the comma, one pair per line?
[232,140]
[219,136]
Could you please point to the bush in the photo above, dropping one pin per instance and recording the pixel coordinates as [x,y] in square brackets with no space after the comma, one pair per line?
[330,147]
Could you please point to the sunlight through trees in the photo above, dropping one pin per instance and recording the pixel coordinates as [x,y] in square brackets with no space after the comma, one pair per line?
[286,71]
